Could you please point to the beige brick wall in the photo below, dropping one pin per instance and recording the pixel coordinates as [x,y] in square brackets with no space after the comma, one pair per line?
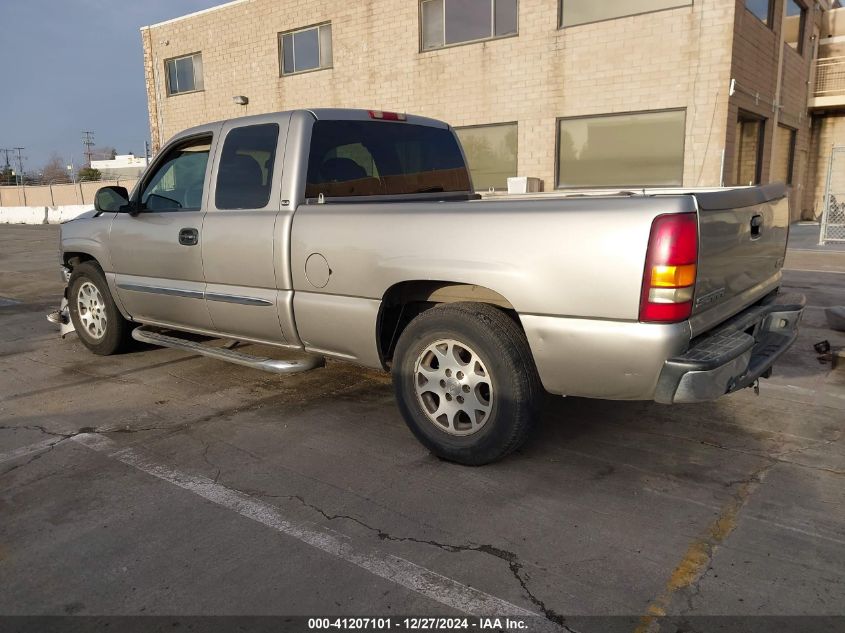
[678,58]
[828,130]
[756,58]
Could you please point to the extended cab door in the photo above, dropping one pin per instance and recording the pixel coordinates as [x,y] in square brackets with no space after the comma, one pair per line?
[242,250]
[156,254]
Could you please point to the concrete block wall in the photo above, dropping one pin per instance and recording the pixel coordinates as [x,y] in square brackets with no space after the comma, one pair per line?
[42,215]
[57,195]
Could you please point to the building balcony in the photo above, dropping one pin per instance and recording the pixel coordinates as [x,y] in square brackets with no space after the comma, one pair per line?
[829,90]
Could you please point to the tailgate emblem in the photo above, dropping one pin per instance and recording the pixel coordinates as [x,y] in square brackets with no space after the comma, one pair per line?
[710,297]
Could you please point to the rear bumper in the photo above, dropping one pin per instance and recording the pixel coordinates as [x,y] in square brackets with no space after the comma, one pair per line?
[734,355]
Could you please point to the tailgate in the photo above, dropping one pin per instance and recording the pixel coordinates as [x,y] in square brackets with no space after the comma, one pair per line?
[742,244]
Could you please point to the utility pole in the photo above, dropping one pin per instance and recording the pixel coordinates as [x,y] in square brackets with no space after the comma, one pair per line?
[88,142]
[20,161]
[7,168]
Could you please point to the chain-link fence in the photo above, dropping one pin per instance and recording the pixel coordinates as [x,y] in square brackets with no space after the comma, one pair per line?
[57,192]
[833,217]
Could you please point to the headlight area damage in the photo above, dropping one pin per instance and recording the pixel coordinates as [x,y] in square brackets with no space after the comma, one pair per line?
[61,317]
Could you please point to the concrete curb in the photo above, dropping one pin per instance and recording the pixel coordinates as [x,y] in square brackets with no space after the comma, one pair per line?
[42,215]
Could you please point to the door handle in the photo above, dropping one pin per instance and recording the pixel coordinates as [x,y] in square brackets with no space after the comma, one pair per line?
[189,237]
[756,226]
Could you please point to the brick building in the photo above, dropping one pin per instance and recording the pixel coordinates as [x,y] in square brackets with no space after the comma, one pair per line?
[577,93]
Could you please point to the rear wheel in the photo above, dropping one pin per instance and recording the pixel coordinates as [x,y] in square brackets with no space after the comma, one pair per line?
[97,321]
[466,383]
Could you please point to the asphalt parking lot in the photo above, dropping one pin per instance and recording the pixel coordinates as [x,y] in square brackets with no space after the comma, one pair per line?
[157,482]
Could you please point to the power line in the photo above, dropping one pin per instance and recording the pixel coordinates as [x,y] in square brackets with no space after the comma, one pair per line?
[88,142]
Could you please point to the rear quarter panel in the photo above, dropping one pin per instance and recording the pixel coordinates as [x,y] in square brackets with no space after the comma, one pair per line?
[580,258]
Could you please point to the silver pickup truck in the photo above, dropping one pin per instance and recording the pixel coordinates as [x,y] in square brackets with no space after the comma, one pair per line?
[356,235]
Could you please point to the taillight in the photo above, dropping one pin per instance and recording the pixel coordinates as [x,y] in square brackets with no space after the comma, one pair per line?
[387,116]
[670,269]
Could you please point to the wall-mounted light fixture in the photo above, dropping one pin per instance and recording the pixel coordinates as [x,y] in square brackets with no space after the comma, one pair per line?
[240,100]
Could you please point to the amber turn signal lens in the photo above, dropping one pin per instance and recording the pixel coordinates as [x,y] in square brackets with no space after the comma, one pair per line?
[673,276]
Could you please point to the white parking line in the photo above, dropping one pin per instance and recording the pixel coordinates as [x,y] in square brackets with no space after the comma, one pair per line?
[31,449]
[430,584]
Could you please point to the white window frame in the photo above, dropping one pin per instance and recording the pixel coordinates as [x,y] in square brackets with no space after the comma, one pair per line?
[492,36]
[198,78]
[321,63]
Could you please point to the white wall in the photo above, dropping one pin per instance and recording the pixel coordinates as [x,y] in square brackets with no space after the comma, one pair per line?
[42,215]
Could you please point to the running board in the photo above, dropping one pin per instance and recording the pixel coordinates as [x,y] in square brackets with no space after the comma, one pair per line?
[256,362]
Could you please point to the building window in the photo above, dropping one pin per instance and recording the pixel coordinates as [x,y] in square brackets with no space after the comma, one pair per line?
[491,154]
[245,172]
[793,25]
[574,12]
[184,74]
[748,157]
[448,22]
[306,49]
[622,150]
[762,9]
[784,159]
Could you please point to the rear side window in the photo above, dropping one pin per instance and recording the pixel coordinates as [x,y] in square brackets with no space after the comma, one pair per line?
[245,173]
[371,158]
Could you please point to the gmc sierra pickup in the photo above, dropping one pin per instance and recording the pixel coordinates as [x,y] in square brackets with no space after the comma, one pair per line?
[356,235]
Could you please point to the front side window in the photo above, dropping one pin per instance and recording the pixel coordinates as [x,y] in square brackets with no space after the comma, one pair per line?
[448,22]
[491,154]
[793,25]
[184,74]
[574,12]
[622,150]
[306,49]
[370,158]
[178,182]
[784,158]
[245,173]
[762,9]
[748,154]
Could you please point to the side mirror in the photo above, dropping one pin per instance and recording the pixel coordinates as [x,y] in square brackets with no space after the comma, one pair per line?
[111,200]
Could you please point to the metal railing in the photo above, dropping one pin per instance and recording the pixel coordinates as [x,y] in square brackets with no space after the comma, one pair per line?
[830,77]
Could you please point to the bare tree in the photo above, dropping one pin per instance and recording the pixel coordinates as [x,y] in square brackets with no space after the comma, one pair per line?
[54,169]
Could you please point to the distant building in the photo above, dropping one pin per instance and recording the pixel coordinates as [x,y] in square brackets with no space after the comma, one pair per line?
[121,166]
[578,93]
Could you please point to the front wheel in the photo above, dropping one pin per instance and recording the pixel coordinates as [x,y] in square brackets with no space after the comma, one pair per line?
[96,319]
[466,383]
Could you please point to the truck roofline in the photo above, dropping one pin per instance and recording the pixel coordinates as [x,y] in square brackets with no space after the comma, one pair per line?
[320,114]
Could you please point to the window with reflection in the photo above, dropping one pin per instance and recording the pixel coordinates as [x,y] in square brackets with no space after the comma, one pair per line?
[794,19]
[449,22]
[491,154]
[575,12]
[306,49]
[638,149]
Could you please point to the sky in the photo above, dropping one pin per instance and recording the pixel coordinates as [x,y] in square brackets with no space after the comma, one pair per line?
[74,65]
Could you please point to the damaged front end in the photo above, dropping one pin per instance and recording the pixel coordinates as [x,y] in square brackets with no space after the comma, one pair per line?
[61,317]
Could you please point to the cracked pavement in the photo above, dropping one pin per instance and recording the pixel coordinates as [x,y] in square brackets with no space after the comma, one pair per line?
[613,508]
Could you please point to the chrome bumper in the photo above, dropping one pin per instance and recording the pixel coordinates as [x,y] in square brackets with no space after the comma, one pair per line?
[734,356]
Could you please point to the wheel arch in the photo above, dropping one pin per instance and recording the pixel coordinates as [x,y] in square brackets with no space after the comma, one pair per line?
[405,300]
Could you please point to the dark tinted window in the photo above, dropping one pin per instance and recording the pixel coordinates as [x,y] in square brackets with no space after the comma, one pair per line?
[370,158]
[246,167]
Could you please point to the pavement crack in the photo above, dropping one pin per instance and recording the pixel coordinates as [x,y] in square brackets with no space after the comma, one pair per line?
[515,566]
[697,560]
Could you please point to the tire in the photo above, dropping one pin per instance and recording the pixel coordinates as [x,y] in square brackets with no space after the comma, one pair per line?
[98,322]
[492,394]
